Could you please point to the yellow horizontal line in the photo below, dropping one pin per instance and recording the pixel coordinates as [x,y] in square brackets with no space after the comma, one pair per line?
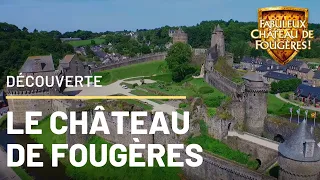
[94,97]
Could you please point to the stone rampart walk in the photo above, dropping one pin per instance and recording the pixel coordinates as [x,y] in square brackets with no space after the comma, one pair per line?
[255,139]
[295,104]
[6,173]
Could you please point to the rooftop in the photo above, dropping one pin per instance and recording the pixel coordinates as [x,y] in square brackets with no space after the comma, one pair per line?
[253,76]
[67,58]
[305,70]
[278,76]
[265,68]
[317,75]
[305,90]
[218,29]
[37,64]
[295,63]
[294,147]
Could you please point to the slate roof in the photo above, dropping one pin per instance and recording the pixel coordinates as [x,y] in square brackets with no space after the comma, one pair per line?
[305,91]
[218,29]
[295,63]
[253,76]
[37,64]
[67,58]
[293,148]
[305,70]
[316,75]
[278,76]
[265,68]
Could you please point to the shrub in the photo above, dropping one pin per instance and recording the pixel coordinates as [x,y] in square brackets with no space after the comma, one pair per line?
[206,90]
[286,96]
[213,101]
[135,85]
[183,105]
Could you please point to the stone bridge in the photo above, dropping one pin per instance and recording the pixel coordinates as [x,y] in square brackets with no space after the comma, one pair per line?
[136,60]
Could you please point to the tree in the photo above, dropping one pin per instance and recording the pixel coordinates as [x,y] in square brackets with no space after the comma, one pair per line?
[178,60]
[93,42]
[24,29]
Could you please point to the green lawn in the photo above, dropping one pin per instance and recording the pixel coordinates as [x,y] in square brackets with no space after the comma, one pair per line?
[280,108]
[107,171]
[22,173]
[222,150]
[144,93]
[86,42]
[141,69]
[190,88]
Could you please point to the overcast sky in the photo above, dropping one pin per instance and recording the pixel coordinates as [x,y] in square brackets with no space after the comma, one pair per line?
[113,15]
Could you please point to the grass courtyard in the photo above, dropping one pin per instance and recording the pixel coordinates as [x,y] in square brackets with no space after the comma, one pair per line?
[141,69]
[108,171]
[86,42]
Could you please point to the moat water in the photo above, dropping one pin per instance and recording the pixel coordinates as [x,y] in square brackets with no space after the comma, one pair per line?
[47,172]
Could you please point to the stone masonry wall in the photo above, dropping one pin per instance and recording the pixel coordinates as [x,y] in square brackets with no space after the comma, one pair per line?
[217,168]
[145,58]
[265,155]
[225,85]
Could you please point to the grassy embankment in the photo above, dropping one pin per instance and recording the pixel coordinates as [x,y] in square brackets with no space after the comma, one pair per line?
[86,42]
[220,149]
[108,171]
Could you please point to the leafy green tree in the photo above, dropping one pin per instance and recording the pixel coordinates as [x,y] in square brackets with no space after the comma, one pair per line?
[178,60]
[93,42]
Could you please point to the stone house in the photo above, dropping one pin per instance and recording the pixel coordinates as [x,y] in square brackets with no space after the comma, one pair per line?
[305,74]
[70,65]
[273,76]
[308,94]
[295,67]
[264,69]
[252,64]
[316,79]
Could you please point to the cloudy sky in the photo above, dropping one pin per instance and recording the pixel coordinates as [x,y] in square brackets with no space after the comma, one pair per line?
[113,15]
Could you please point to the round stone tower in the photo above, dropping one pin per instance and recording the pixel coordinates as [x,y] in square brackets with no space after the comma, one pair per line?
[299,156]
[217,38]
[255,103]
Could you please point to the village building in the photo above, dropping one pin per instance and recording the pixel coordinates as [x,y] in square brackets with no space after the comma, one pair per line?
[249,63]
[305,74]
[70,65]
[264,69]
[296,67]
[316,79]
[273,76]
[308,94]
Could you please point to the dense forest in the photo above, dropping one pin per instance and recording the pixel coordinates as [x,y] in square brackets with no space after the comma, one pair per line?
[17,44]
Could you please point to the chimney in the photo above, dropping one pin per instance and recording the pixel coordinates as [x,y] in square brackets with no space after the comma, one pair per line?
[309,146]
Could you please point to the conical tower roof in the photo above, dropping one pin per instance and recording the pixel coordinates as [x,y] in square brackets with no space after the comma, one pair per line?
[218,29]
[294,147]
[253,76]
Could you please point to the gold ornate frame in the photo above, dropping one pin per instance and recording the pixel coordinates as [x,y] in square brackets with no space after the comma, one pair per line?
[283,8]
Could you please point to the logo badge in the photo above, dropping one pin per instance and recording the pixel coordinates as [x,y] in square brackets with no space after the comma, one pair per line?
[282,27]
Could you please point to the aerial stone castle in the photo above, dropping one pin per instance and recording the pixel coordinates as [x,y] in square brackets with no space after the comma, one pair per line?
[43,66]
[249,98]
